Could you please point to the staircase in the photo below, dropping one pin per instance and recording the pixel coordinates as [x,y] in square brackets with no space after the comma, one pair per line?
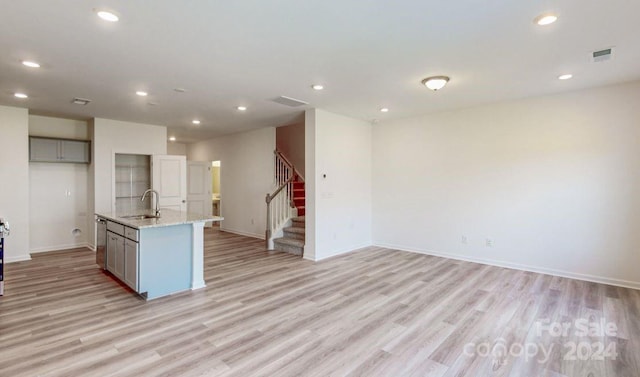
[293,240]
[298,195]
[290,194]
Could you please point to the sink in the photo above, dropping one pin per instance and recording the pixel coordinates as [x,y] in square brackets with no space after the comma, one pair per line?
[140,217]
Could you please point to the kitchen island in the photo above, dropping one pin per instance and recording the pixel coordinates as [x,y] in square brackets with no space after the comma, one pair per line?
[156,256]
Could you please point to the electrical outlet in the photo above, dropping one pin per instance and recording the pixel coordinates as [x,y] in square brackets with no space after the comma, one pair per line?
[488,242]
[464,239]
[252,222]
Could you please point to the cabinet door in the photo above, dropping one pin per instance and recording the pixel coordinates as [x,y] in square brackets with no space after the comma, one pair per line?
[75,151]
[112,241]
[119,271]
[44,150]
[131,264]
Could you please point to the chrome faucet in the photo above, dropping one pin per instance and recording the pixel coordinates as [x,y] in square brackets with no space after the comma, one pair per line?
[157,200]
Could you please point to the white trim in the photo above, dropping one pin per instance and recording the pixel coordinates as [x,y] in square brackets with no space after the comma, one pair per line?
[521,267]
[241,233]
[309,258]
[59,247]
[20,258]
[342,252]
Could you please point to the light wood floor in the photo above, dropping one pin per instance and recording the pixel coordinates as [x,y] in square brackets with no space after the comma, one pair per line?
[373,312]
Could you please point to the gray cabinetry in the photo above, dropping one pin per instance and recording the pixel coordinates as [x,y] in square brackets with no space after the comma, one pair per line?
[123,253]
[112,240]
[119,271]
[42,149]
[115,254]
[131,264]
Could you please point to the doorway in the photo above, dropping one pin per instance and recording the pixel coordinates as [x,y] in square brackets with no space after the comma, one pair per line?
[216,198]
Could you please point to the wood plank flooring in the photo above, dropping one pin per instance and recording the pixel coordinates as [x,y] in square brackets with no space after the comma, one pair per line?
[374,312]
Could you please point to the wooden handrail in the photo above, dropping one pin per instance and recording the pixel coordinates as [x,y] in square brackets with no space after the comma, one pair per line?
[282,186]
[290,173]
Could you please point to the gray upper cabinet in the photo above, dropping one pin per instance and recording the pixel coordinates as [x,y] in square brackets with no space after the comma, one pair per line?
[42,149]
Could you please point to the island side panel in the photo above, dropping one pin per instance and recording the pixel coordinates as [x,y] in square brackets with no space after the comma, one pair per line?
[165,260]
[197,281]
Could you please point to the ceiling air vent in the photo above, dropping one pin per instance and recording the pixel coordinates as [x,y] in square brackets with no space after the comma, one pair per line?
[288,101]
[602,55]
[81,101]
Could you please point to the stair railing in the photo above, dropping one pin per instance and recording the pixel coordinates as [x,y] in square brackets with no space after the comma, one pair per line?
[280,202]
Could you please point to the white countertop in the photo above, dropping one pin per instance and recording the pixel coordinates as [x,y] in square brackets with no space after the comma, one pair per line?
[167,217]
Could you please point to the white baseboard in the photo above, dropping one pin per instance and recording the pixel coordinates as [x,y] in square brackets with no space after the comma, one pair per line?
[19,258]
[59,247]
[242,233]
[521,267]
[341,252]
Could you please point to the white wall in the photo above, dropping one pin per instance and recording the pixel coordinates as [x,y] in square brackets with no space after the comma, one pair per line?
[553,181]
[246,176]
[111,137]
[176,149]
[58,206]
[290,141]
[58,202]
[58,127]
[14,180]
[338,184]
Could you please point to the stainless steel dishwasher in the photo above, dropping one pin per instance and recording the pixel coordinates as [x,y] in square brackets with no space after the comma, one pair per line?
[101,242]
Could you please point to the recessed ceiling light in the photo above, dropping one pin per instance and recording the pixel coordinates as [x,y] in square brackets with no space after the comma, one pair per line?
[195,121]
[317,87]
[180,90]
[20,95]
[435,82]
[565,77]
[241,108]
[108,16]
[384,110]
[30,64]
[172,138]
[142,94]
[545,19]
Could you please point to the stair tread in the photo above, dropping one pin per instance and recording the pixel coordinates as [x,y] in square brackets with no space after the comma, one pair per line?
[289,241]
[299,219]
[294,229]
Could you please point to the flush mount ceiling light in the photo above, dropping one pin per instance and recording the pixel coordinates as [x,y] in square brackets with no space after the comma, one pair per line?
[195,121]
[141,93]
[20,95]
[30,64]
[108,16]
[317,87]
[545,19]
[80,101]
[435,82]
[241,108]
[384,110]
[565,76]
[172,138]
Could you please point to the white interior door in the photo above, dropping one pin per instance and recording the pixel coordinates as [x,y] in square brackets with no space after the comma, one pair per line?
[169,178]
[199,188]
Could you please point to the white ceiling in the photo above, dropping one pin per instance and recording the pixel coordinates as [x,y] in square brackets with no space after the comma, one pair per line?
[368,53]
